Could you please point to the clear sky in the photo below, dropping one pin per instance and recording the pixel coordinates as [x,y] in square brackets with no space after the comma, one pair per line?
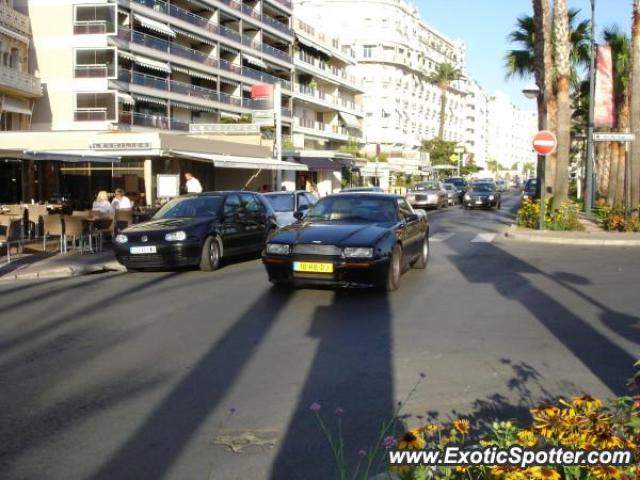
[484,25]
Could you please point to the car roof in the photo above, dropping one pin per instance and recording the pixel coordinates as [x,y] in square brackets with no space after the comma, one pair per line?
[285,191]
[365,194]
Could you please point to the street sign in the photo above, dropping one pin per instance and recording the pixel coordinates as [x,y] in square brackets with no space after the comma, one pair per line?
[225,128]
[614,137]
[545,142]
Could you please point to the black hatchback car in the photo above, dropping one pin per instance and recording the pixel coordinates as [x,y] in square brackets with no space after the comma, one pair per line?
[197,230]
[482,195]
[350,239]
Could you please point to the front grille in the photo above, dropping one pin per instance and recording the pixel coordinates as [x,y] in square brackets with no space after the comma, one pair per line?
[309,249]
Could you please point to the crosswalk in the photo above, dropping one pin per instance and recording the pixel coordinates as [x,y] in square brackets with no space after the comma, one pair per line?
[484,237]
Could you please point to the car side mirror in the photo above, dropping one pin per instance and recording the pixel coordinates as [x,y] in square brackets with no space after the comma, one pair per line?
[302,208]
[412,217]
[298,214]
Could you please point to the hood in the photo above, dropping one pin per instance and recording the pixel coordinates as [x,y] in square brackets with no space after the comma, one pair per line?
[481,194]
[332,233]
[285,218]
[167,224]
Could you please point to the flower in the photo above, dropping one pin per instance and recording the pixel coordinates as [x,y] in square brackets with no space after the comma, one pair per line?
[412,440]
[527,438]
[462,426]
[587,403]
[543,473]
[339,412]
[546,420]
[314,407]
[507,473]
[431,428]
[606,472]
[389,442]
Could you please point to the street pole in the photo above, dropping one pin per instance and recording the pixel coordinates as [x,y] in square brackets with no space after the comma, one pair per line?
[588,197]
[277,106]
[542,160]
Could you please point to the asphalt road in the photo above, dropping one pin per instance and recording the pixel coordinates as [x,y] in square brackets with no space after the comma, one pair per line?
[120,376]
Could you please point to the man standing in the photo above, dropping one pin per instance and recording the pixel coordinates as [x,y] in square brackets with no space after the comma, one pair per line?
[193,184]
[121,201]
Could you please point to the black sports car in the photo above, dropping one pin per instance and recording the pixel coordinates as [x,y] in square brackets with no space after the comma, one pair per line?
[350,239]
[482,195]
[197,230]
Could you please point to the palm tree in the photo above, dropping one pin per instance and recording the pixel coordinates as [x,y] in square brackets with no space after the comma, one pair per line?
[563,72]
[444,75]
[635,105]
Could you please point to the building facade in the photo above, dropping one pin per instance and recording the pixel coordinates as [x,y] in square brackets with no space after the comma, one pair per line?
[395,52]
[476,118]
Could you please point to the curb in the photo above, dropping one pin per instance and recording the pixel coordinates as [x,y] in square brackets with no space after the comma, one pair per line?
[63,272]
[559,239]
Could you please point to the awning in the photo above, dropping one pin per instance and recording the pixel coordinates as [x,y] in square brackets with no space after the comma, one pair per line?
[314,45]
[145,99]
[154,25]
[233,161]
[234,116]
[69,157]
[229,82]
[127,55]
[254,61]
[196,37]
[205,76]
[153,64]
[177,68]
[126,98]
[14,105]
[350,120]
[15,35]
[224,48]
[320,164]
[197,108]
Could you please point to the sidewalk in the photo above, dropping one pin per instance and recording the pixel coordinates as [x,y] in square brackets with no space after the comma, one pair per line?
[48,265]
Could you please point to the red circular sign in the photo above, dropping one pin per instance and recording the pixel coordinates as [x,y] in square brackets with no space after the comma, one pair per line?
[545,142]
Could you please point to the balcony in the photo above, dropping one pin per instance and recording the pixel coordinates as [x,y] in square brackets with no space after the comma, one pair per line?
[323,98]
[324,68]
[323,129]
[14,20]
[94,71]
[90,114]
[151,121]
[20,83]
[173,48]
[92,27]
[208,25]
[269,20]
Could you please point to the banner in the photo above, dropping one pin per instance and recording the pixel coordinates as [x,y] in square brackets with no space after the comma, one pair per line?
[604,115]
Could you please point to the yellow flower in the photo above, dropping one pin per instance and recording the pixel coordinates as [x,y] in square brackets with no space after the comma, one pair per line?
[462,426]
[605,438]
[527,438]
[462,468]
[412,440]
[543,473]
[431,428]
[547,420]
[587,403]
[606,472]
[507,473]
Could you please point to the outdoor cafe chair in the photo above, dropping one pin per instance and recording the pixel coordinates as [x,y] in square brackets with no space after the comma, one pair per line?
[122,219]
[10,233]
[52,226]
[75,228]
[36,213]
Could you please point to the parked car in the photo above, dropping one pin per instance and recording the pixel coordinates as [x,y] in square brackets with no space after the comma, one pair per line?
[350,239]
[197,230]
[460,184]
[429,194]
[453,195]
[502,185]
[530,189]
[285,204]
[482,195]
[363,189]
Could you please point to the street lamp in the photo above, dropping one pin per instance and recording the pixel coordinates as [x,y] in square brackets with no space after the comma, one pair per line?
[589,184]
[532,92]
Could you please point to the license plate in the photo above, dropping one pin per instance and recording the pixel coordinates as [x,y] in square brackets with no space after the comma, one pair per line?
[313,267]
[145,249]
[478,202]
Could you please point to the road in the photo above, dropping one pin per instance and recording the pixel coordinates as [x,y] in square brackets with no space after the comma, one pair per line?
[120,376]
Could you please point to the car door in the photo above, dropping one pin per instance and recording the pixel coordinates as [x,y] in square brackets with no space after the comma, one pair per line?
[302,203]
[413,230]
[233,225]
[255,221]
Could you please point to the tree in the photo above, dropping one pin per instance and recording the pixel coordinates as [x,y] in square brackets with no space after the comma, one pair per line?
[563,71]
[493,166]
[440,151]
[635,105]
[528,168]
[443,77]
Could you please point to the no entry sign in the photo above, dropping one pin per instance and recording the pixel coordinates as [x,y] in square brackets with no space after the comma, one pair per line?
[545,142]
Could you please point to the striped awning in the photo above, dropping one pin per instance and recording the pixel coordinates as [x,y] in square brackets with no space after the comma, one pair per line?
[350,120]
[205,76]
[254,61]
[196,37]
[127,55]
[126,98]
[153,64]
[146,99]
[228,82]
[198,108]
[177,68]
[314,45]
[154,25]
[224,48]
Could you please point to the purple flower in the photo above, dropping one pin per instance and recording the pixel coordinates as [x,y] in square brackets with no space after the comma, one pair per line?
[389,442]
[314,407]
[339,412]
[362,453]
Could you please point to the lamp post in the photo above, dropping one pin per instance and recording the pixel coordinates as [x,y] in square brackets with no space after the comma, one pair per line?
[532,92]
[588,194]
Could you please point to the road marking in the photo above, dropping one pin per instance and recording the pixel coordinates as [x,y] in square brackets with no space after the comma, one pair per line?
[441,237]
[484,238]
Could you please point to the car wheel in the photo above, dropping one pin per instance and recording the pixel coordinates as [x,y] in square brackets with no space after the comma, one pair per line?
[423,258]
[210,256]
[499,205]
[394,271]
[132,270]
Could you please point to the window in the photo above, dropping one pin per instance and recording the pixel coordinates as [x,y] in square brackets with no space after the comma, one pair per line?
[405,208]
[311,198]
[367,51]
[95,106]
[303,203]
[231,205]
[95,63]
[94,19]
[251,203]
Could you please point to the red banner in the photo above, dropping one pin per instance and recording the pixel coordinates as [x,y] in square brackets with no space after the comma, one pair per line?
[604,88]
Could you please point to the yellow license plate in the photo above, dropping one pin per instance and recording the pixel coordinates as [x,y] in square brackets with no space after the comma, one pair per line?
[313,267]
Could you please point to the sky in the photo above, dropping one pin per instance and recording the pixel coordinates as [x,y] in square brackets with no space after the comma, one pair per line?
[485,24]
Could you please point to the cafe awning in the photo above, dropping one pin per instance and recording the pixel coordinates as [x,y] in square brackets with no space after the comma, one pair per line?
[233,161]
[68,157]
[320,164]
[350,120]
[154,25]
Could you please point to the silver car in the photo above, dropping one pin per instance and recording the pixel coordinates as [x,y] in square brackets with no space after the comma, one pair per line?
[285,204]
[430,194]
[453,195]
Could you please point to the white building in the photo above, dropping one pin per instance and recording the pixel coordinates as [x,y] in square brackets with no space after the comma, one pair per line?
[476,119]
[395,51]
[511,132]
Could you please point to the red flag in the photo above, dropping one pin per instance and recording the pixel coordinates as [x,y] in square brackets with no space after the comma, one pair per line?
[604,88]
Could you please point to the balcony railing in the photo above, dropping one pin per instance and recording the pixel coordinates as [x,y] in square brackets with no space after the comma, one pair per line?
[320,126]
[333,100]
[22,81]
[90,114]
[173,48]
[152,121]
[326,68]
[14,19]
[93,27]
[206,24]
[286,3]
[260,16]
[94,71]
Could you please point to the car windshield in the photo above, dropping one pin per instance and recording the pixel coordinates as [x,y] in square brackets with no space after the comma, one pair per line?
[448,186]
[426,186]
[458,182]
[531,185]
[281,202]
[200,206]
[359,208]
[483,187]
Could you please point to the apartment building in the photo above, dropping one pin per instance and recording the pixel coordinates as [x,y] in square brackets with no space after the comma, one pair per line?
[396,52]
[476,118]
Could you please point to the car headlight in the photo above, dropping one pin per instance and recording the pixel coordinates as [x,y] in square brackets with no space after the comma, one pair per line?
[359,252]
[491,197]
[278,248]
[176,236]
[467,196]
[120,238]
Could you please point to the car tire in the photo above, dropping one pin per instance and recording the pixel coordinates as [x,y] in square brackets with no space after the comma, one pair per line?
[392,281]
[210,255]
[499,205]
[423,258]
[132,270]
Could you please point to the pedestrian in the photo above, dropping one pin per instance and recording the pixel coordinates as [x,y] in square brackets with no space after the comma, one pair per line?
[121,201]
[101,203]
[193,184]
